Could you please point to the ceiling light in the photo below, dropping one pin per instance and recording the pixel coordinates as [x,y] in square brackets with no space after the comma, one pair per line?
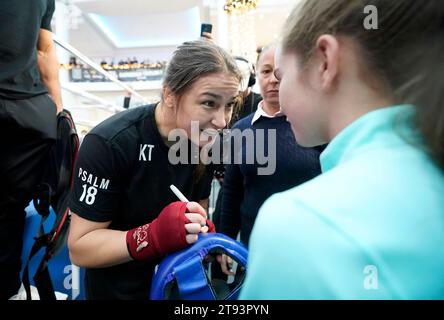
[240,5]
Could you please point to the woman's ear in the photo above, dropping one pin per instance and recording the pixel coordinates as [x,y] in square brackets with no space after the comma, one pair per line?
[327,48]
[169,98]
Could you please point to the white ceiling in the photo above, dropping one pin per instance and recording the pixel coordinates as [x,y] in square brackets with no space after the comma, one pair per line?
[151,23]
[141,7]
[149,30]
[133,7]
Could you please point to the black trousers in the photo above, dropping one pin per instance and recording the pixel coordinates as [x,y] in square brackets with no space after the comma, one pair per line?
[28,129]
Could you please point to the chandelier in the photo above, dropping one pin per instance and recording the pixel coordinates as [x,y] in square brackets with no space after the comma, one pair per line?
[240,5]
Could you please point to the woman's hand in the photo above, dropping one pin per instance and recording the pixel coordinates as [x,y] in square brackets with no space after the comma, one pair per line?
[198,221]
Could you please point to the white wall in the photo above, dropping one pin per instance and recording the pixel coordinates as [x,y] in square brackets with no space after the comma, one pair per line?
[88,40]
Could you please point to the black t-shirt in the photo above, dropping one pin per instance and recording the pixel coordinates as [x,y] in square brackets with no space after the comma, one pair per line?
[20,24]
[123,175]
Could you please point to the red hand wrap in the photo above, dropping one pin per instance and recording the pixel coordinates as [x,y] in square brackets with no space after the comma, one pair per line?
[163,235]
[211,226]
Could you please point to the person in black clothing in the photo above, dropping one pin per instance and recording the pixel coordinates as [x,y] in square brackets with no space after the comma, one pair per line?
[245,189]
[250,98]
[28,72]
[124,216]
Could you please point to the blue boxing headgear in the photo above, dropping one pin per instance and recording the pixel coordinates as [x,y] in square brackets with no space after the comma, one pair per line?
[183,275]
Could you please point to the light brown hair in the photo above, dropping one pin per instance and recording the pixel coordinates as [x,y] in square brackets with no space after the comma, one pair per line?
[403,57]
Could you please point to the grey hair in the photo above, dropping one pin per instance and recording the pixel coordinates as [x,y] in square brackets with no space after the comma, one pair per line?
[195,59]
[264,49]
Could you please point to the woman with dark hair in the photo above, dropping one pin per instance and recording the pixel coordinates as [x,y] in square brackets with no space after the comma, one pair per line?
[124,216]
[371,226]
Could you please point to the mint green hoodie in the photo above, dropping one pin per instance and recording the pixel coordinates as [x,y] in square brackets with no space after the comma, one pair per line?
[371,226]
